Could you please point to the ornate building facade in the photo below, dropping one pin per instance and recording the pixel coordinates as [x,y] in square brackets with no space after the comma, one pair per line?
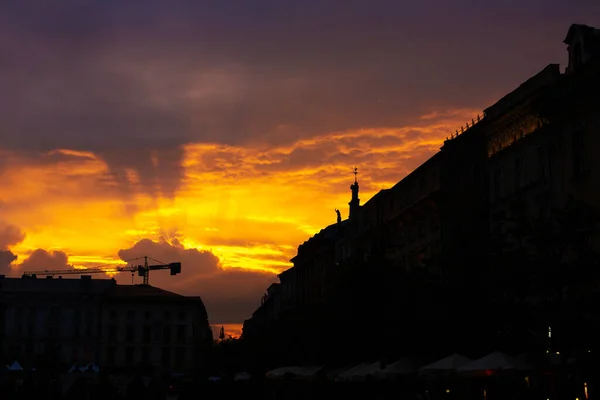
[534,147]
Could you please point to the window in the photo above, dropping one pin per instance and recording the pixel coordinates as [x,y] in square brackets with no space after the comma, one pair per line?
[579,152]
[130,333]
[181,315]
[518,173]
[111,353]
[112,332]
[166,357]
[53,330]
[147,333]
[129,355]
[130,315]
[145,355]
[421,229]
[542,157]
[157,333]
[113,315]
[179,357]
[497,182]
[181,333]
[167,334]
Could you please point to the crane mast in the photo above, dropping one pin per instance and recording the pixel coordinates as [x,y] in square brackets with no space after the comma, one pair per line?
[142,270]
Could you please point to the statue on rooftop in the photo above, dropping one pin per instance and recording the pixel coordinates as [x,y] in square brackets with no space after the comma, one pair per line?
[339,216]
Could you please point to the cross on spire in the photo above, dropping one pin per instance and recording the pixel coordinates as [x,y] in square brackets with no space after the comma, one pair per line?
[355,174]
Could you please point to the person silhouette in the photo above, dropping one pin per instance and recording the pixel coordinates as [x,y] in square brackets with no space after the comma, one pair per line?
[339,216]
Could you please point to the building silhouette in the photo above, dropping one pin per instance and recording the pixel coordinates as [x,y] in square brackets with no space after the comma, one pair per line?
[529,153]
[65,322]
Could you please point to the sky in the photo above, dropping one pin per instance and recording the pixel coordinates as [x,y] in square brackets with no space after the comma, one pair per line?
[223,134]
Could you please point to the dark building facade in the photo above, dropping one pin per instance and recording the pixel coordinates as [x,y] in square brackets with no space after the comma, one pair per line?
[452,219]
[96,321]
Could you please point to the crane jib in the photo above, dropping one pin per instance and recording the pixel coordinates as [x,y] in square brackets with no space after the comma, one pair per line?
[142,270]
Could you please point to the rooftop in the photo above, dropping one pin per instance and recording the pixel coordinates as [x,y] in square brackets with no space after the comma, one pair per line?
[67,286]
[586,29]
[142,291]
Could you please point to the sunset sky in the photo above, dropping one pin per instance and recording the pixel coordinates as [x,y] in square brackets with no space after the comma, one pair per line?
[223,134]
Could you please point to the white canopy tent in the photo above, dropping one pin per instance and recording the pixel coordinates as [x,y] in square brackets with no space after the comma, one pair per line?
[301,372]
[15,366]
[448,364]
[242,377]
[283,371]
[401,367]
[343,373]
[360,372]
[496,361]
[309,371]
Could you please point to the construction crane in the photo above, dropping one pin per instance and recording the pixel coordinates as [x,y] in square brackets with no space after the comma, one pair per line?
[142,270]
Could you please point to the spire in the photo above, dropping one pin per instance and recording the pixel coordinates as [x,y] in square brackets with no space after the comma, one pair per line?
[355,202]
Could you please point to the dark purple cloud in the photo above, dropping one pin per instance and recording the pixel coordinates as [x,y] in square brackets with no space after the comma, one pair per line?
[39,259]
[10,235]
[134,81]
[42,259]
[6,259]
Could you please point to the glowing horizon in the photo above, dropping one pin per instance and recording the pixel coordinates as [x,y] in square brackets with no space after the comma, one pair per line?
[256,206]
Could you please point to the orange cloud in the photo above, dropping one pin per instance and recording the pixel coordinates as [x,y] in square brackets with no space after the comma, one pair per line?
[235,219]
[41,259]
[10,235]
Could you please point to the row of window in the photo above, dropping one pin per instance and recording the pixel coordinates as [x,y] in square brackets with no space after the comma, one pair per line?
[50,329]
[143,355]
[520,171]
[149,333]
[132,315]
[579,159]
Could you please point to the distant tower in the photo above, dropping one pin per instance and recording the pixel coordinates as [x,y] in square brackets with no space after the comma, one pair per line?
[355,202]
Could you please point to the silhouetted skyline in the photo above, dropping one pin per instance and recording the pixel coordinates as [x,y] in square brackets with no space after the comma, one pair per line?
[222,135]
